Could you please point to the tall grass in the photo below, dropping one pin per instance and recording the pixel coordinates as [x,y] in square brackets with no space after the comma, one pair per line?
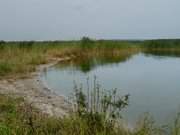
[96,100]
[23,57]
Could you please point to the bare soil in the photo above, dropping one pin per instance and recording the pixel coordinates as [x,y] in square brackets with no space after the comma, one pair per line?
[34,91]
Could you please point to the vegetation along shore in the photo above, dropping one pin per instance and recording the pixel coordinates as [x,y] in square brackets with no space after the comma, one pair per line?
[28,107]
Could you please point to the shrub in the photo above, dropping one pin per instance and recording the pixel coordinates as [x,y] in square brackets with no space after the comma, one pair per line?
[86,42]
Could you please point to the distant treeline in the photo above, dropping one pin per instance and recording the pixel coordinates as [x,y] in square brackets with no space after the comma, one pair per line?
[162,43]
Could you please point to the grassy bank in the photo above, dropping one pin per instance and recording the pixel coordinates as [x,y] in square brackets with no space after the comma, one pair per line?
[20,118]
[23,57]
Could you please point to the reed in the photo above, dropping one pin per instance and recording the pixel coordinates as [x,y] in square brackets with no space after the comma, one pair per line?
[18,58]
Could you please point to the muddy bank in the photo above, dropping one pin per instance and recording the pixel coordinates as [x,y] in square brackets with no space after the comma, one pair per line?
[35,92]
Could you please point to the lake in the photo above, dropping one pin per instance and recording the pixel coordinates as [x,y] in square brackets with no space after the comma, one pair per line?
[152,80]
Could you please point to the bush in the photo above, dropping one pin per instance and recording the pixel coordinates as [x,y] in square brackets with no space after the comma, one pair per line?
[5,68]
[86,42]
[2,44]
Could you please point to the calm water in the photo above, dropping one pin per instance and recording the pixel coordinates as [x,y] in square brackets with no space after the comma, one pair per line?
[153,83]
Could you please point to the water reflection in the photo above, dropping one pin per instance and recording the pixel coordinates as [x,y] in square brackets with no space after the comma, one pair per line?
[153,83]
[86,64]
[163,53]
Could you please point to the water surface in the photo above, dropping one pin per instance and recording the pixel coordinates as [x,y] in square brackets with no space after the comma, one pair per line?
[152,81]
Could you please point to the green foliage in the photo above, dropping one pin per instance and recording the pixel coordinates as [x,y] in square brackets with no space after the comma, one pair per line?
[86,42]
[2,44]
[168,47]
[5,67]
[163,43]
[99,102]
[26,44]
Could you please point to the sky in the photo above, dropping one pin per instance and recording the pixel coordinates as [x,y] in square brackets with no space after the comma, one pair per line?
[98,19]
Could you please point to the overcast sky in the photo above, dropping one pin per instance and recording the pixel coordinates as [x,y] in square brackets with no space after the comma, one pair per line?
[72,19]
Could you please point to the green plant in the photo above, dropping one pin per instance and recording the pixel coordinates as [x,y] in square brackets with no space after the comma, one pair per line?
[97,101]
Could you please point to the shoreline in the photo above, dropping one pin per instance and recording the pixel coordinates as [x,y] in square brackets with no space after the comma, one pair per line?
[35,92]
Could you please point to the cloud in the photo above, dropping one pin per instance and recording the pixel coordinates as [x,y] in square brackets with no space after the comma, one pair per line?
[71,19]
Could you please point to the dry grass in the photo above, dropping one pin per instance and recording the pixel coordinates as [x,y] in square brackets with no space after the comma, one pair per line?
[17,58]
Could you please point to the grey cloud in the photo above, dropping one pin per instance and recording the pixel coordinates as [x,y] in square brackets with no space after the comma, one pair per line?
[72,19]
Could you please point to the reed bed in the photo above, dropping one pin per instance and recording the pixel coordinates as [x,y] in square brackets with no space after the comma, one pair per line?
[17,58]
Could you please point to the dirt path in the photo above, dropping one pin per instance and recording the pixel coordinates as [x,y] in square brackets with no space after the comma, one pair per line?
[36,93]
